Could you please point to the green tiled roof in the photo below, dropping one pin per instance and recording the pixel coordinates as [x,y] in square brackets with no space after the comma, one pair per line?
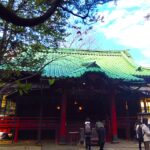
[75,63]
[65,63]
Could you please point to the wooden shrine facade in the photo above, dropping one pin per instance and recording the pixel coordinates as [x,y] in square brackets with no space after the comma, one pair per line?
[97,85]
[57,111]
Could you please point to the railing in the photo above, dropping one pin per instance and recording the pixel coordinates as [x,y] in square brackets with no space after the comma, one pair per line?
[53,123]
[26,123]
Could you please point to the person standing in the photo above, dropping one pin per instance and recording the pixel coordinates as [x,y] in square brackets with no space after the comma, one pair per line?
[87,131]
[139,133]
[146,134]
[101,131]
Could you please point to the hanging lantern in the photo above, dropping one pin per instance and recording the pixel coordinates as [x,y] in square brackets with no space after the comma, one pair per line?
[58,107]
[80,108]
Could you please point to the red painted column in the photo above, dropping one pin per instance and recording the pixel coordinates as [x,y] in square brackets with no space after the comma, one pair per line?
[63,120]
[16,131]
[114,118]
[16,136]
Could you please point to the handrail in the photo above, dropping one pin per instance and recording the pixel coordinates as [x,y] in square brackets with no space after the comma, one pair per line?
[28,122]
[47,122]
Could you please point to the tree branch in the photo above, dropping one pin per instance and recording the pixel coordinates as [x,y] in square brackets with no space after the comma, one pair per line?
[77,15]
[5,87]
[11,17]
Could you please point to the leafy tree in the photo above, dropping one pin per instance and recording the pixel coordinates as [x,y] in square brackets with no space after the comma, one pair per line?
[22,43]
[44,9]
[23,46]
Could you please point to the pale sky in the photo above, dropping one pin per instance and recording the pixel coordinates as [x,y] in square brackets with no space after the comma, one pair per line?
[125,27]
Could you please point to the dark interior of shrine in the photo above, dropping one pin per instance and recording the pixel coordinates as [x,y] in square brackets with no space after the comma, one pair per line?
[32,134]
[78,108]
[87,97]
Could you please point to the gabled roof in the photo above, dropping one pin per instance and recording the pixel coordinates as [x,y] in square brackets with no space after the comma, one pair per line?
[69,63]
[75,63]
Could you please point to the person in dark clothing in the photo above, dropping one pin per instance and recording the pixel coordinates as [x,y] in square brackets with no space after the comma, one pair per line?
[87,131]
[140,140]
[101,131]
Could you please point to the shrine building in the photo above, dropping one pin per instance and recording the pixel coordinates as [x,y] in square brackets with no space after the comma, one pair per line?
[74,85]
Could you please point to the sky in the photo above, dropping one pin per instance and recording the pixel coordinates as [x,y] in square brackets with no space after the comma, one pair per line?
[125,28]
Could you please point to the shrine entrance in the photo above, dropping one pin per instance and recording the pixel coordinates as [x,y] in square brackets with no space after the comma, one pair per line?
[94,106]
[43,112]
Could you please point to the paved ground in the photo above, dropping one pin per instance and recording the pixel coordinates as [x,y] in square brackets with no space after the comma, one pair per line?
[122,145]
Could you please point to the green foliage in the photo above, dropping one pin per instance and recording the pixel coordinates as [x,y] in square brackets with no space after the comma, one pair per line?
[38,2]
[23,87]
[27,47]
[15,40]
[2,83]
[51,81]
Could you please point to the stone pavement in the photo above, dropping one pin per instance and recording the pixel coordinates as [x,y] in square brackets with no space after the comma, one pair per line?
[122,145]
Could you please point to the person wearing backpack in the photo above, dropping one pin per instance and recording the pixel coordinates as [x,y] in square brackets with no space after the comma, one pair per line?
[87,131]
[146,132]
[101,132]
[139,133]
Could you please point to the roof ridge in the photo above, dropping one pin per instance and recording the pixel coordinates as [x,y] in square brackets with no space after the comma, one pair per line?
[146,68]
[91,52]
[131,61]
[129,58]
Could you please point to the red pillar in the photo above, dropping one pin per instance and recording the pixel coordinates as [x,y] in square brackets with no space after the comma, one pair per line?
[16,131]
[114,118]
[63,121]
[16,136]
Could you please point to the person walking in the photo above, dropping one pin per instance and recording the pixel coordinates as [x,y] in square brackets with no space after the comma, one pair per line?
[87,131]
[101,134]
[146,134]
[139,133]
